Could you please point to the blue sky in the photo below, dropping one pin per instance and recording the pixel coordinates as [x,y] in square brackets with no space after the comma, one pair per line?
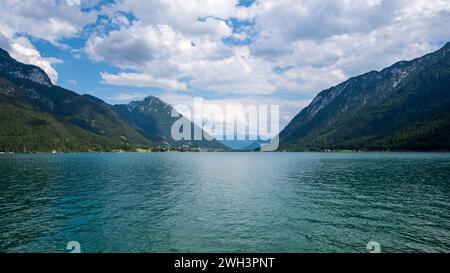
[252,52]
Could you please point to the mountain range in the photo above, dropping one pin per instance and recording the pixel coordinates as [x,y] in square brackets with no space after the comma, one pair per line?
[37,116]
[403,107]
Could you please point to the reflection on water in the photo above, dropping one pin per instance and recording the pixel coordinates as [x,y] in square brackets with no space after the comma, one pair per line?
[225,202]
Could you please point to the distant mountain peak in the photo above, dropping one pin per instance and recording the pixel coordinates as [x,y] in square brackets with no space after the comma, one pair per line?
[151,99]
[149,104]
[153,118]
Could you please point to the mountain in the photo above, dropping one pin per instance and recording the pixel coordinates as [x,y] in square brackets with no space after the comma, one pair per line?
[36,115]
[30,86]
[12,69]
[23,129]
[237,144]
[153,119]
[244,145]
[403,107]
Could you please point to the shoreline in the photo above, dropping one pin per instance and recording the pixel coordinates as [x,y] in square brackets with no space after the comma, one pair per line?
[235,151]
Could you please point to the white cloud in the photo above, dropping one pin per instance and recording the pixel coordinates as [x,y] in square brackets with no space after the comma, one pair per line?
[141,80]
[291,20]
[127,97]
[48,20]
[139,46]
[183,15]
[352,36]
[290,46]
[161,53]
[297,46]
[72,82]
[164,44]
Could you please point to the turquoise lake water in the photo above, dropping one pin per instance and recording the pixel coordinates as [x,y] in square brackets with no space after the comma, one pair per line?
[225,202]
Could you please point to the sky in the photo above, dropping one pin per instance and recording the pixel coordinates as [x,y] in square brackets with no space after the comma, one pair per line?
[281,52]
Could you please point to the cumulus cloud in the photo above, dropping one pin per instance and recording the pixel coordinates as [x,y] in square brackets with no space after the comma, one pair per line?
[267,48]
[138,46]
[294,46]
[51,21]
[352,37]
[190,17]
[291,20]
[141,80]
[127,97]
[48,20]
[164,56]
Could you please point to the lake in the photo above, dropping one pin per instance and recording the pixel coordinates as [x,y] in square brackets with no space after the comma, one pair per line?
[225,202]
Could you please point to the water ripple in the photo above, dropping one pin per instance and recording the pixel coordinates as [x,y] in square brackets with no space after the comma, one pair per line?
[225,202]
